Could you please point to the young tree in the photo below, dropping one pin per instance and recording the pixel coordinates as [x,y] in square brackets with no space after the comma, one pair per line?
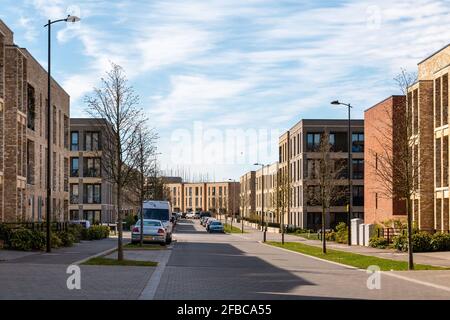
[281,197]
[145,152]
[329,185]
[116,103]
[397,165]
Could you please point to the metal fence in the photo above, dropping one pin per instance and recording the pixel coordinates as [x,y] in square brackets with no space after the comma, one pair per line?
[39,226]
[390,233]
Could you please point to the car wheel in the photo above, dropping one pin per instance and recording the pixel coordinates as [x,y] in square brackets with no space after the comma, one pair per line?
[169,240]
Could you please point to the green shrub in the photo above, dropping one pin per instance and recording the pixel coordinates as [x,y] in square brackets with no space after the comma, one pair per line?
[341,233]
[97,232]
[378,242]
[129,221]
[422,242]
[67,238]
[76,230]
[440,242]
[21,239]
[330,236]
[39,240]
[55,240]
[400,242]
[5,234]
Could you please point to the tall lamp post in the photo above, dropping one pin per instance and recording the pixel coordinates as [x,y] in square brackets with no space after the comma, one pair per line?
[262,201]
[349,160]
[69,19]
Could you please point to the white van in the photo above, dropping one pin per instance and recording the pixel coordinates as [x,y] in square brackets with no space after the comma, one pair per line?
[160,210]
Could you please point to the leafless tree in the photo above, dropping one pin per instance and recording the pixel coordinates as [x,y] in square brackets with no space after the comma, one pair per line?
[328,181]
[281,199]
[397,166]
[145,152]
[117,103]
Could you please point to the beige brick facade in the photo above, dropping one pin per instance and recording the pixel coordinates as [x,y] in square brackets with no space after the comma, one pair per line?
[23,115]
[247,195]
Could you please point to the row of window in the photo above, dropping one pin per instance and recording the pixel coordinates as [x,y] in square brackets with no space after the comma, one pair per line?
[91,167]
[92,193]
[313,194]
[91,141]
[337,140]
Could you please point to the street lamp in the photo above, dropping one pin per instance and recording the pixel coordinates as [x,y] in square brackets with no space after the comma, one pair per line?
[69,19]
[232,203]
[262,201]
[350,200]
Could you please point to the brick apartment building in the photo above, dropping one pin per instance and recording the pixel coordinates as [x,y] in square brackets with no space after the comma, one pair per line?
[428,99]
[217,197]
[92,195]
[247,196]
[269,174]
[23,137]
[295,180]
[381,130]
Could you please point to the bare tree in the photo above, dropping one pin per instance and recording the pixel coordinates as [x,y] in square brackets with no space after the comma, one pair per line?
[329,182]
[145,152]
[281,199]
[397,166]
[116,102]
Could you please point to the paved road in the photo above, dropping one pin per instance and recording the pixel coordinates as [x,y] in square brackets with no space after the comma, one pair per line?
[221,266]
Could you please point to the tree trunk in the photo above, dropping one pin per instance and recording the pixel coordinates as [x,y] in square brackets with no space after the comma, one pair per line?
[410,244]
[141,215]
[119,224]
[324,241]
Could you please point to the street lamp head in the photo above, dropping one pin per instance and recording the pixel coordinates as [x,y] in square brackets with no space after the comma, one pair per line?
[335,102]
[72,19]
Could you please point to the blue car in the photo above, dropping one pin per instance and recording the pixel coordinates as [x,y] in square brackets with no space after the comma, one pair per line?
[215,226]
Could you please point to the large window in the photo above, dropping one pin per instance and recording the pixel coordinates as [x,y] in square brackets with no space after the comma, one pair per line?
[92,167]
[74,141]
[358,168]
[92,193]
[358,142]
[74,167]
[358,195]
[313,141]
[31,108]
[92,141]
[74,194]
[338,141]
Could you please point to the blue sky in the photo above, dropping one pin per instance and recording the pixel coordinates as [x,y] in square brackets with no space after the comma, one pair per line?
[254,66]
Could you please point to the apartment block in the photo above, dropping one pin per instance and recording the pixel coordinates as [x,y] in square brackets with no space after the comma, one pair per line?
[217,197]
[247,197]
[382,128]
[266,181]
[92,194]
[23,137]
[428,102]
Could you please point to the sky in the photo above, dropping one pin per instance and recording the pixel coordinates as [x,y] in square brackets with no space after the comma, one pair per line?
[220,81]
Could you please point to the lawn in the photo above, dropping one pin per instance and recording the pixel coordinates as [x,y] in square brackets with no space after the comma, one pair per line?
[145,246]
[228,229]
[102,261]
[309,236]
[351,259]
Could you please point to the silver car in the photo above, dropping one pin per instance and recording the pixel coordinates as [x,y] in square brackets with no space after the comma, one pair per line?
[154,232]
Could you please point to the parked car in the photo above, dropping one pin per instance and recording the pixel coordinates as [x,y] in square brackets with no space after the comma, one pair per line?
[197,215]
[216,226]
[190,215]
[208,222]
[183,215]
[160,210]
[154,232]
[205,214]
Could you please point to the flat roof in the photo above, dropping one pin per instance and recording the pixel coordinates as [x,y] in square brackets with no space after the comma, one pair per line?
[384,100]
[443,48]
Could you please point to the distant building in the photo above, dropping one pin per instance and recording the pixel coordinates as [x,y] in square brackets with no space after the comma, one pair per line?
[269,174]
[23,137]
[247,197]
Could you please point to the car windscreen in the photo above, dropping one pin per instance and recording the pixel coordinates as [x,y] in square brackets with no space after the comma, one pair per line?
[216,223]
[149,223]
[156,214]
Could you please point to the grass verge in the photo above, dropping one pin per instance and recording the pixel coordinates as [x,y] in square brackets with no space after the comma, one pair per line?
[352,259]
[102,261]
[145,246]
[228,229]
[309,236]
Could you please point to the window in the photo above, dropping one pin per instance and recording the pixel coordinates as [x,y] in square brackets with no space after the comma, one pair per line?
[358,195]
[313,167]
[74,167]
[358,142]
[74,194]
[376,200]
[31,108]
[74,141]
[91,141]
[312,141]
[92,193]
[94,216]
[92,167]
[358,168]
[338,141]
